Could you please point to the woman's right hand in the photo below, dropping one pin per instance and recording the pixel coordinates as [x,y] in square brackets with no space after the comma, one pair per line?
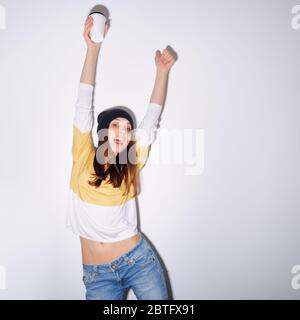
[87,28]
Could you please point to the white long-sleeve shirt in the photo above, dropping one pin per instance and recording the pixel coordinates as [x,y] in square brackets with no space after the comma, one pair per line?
[102,214]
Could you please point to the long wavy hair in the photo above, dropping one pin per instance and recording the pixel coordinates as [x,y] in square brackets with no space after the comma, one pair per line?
[117,172]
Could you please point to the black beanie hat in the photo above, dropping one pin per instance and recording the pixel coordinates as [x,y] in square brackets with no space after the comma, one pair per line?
[106,116]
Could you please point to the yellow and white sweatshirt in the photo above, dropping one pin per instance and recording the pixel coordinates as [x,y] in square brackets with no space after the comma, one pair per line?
[102,214]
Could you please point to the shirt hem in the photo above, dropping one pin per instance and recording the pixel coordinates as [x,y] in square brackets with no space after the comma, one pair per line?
[100,240]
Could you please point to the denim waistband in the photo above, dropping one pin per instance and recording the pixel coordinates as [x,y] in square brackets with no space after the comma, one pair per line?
[142,244]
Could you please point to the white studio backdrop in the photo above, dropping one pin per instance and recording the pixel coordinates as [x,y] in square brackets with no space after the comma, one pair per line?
[227,231]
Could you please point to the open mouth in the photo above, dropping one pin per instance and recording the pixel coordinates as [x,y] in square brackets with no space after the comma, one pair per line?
[118,142]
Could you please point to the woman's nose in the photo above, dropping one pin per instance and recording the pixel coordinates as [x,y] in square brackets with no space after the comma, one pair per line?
[122,132]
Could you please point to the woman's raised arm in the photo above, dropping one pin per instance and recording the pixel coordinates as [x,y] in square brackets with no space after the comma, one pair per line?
[163,62]
[146,128]
[83,113]
[90,64]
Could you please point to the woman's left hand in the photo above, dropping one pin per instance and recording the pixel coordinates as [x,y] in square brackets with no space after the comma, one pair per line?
[164,61]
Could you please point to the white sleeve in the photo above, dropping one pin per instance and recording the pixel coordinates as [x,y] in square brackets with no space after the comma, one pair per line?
[84,115]
[145,132]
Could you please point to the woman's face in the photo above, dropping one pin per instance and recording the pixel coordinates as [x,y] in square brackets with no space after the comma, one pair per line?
[119,134]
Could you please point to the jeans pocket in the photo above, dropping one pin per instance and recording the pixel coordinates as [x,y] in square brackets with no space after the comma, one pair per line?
[89,276]
[145,259]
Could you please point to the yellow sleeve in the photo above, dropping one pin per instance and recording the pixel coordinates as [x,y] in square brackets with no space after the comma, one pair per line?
[142,153]
[83,122]
[82,144]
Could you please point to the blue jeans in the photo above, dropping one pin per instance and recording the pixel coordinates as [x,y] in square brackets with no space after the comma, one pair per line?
[138,269]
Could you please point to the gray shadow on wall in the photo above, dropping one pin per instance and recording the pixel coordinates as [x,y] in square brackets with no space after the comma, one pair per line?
[165,270]
[102,9]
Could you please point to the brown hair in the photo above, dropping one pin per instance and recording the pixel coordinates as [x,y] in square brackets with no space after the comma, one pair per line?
[117,171]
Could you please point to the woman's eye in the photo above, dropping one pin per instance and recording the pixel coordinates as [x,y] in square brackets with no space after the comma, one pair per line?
[114,124]
[128,129]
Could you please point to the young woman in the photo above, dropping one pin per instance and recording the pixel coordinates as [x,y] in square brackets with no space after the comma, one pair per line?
[103,187]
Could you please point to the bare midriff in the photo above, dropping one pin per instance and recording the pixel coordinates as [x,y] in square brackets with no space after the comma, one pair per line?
[94,252]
